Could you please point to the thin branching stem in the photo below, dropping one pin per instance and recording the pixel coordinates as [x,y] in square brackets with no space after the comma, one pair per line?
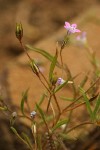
[79,125]
[44,77]
[57,103]
[80,104]
[49,100]
[65,109]
[54,96]
[44,85]
[25,51]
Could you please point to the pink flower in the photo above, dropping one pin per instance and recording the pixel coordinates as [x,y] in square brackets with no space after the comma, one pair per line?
[60,81]
[82,38]
[71,28]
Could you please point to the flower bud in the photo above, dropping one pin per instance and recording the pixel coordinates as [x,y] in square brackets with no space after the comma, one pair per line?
[14,115]
[13,118]
[19,31]
[33,114]
[34,67]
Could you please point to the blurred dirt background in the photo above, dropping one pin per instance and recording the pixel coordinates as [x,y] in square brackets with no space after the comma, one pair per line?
[42,21]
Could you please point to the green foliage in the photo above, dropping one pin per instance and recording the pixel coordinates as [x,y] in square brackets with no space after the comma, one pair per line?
[41,51]
[41,113]
[3,108]
[97,107]
[87,103]
[67,98]
[59,124]
[83,82]
[25,141]
[39,140]
[48,119]
[52,66]
[40,101]
[23,100]
[26,138]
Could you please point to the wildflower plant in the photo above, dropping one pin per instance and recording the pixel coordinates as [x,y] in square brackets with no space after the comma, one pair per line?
[50,127]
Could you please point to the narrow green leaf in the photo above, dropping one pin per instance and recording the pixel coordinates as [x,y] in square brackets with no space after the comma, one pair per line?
[59,124]
[64,136]
[67,98]
[41,112]
[60,86]
[67,137]
[26,138]
[97,107]
[87,103]
[42,116]
[40,101]
[41,51]
[83,82]
[48,119]
[20,138]
[39,140]
[24,98]
[52,66]
[3,108]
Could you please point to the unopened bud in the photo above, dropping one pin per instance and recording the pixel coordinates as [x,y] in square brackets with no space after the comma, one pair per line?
[14,115]
[33,114]
[34,67]
[13,118]
[19,31]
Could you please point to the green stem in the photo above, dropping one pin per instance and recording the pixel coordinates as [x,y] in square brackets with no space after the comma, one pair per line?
[49,102]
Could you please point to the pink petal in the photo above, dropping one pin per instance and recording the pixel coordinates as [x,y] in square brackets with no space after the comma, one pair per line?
[67,24]
[83,34]
[74,25]
[78,37]
[77,30]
